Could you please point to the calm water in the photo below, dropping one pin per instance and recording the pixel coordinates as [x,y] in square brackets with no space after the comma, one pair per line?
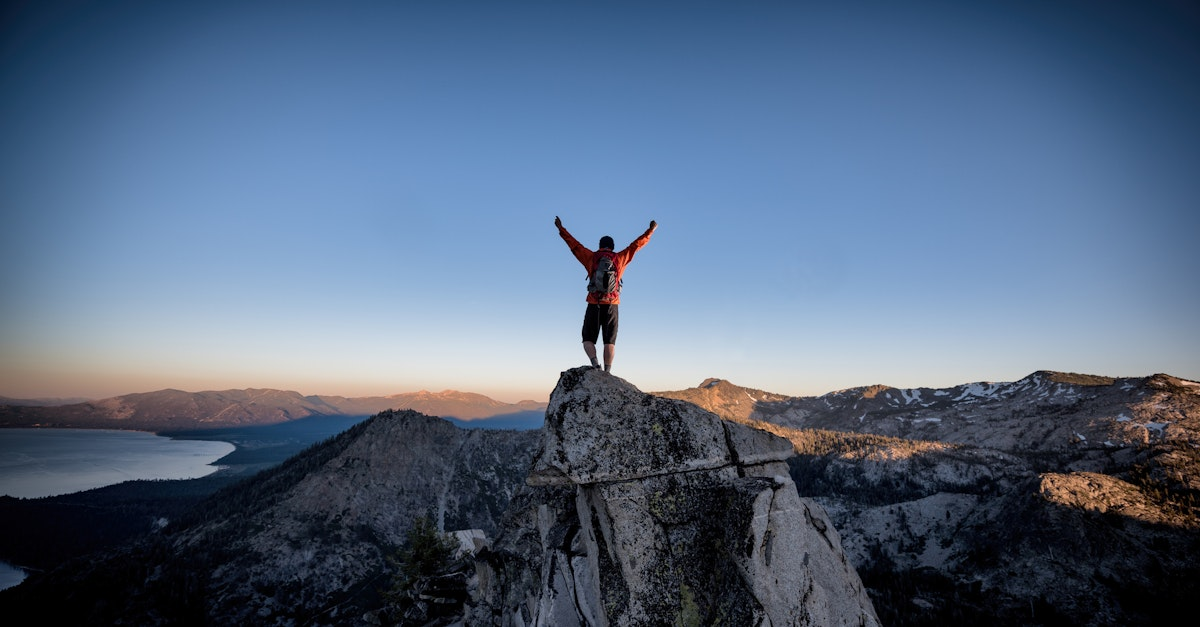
[47,462]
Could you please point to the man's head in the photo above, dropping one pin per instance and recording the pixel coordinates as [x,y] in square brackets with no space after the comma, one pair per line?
[606,242]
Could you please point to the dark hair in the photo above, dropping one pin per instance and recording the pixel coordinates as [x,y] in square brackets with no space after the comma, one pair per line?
[606,242]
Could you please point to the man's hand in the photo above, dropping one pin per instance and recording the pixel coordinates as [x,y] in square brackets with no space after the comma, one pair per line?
[557,222]
[653,225]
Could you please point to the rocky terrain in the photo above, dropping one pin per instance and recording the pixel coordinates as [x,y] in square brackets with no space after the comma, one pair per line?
[675,516]
[1058,498]
[168,410]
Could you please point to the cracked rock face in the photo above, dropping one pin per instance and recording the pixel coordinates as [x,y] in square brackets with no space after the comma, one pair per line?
[650,511]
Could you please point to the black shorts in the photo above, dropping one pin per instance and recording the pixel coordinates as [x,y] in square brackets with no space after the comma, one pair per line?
[599,317]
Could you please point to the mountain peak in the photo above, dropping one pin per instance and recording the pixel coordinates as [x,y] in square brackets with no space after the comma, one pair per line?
[592,414]
[871,391]
[676,515]
[1072,378]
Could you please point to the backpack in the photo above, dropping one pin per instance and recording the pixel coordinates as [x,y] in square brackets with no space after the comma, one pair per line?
[604,281]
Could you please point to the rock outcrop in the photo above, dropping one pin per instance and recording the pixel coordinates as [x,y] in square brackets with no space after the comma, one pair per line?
[644,510]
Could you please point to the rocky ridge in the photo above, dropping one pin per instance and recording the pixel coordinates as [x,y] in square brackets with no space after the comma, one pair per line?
[1045,411]
[1058,497]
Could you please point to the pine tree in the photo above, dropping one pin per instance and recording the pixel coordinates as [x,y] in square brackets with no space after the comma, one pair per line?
[426,554]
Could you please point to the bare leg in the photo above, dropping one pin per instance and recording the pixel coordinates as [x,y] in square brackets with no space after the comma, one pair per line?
[609,351]
[590,349]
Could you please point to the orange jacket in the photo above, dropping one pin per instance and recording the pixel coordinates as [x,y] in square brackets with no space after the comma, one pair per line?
[587,257]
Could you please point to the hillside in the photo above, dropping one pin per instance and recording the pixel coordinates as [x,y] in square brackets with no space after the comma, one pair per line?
[298,540]
[168,410]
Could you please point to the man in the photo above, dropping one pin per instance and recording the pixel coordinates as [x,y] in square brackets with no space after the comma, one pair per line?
[604,288]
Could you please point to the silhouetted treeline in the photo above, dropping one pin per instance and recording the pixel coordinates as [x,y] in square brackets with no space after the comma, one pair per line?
[43,533]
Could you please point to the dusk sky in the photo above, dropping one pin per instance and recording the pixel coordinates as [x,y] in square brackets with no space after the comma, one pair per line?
[358,198]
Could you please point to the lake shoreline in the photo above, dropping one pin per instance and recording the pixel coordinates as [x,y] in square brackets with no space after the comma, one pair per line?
[46,532]
[40,462]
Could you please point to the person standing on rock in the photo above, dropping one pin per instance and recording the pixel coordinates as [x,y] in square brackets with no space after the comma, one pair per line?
[605,270]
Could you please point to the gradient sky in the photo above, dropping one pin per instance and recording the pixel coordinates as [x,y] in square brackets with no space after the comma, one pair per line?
[358,197]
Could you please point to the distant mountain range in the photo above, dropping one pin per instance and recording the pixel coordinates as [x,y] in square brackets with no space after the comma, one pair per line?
[176,409]
[1045,411]
[42,402]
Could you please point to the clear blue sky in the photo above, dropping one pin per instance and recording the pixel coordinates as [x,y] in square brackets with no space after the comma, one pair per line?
[358,197]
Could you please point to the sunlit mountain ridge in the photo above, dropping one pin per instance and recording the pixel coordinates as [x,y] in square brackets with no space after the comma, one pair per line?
[176,409]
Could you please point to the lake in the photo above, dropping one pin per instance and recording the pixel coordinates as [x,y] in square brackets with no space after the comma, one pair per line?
[46,462]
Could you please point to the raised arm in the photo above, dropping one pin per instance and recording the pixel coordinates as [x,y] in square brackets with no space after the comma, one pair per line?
[581,252]
[627,254]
